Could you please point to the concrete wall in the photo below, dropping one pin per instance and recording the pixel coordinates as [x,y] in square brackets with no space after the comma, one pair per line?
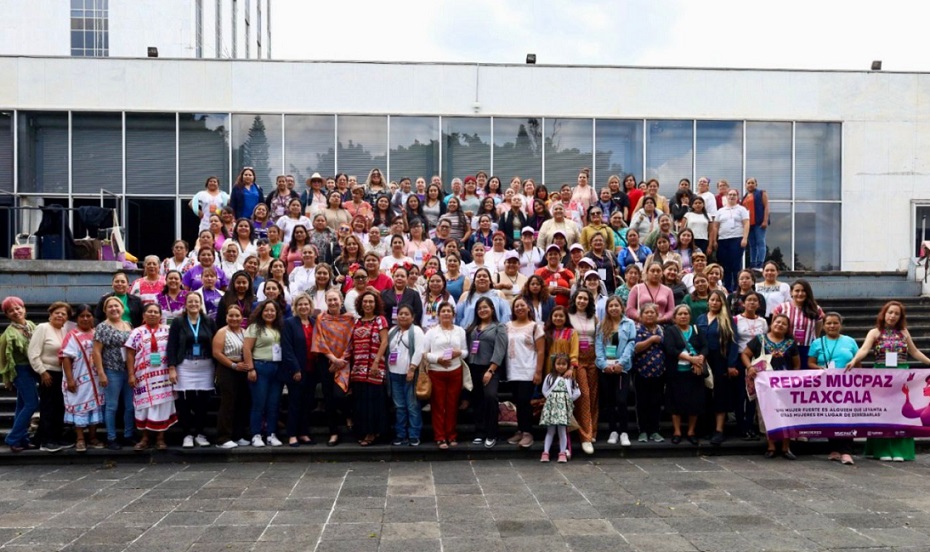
[886,116]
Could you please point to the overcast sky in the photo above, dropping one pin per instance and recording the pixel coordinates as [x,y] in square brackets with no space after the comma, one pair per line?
[808,34]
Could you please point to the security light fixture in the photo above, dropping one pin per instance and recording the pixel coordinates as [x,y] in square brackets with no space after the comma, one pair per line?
[877,65]
[153,51]
[531,59]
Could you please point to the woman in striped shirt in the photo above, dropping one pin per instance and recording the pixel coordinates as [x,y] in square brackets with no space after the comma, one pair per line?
[805,315]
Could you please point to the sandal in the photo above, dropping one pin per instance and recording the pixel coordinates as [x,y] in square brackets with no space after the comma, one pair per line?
[141,445]
[80,446]
[96,443]
[161,445]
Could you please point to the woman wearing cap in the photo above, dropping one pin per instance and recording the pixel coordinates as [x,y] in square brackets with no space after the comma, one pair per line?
[531,256]
[557,279]
[313,198]
[558,223]
[510,281]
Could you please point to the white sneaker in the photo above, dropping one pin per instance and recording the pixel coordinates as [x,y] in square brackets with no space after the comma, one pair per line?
[885,459]
[228,445]
[898,459]
[614,437]
[624,440]
[587,447]
[201,441]
[188,441]
[273,440]
[243,442]
[257,441]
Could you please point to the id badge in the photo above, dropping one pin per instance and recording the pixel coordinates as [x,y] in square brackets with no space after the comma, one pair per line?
[393,313]
[155,360]
[276,352]
[831,365]
[196,350]
[612,351]
[602,272]
[298,264]
[891,359]
[584,343]
[447,354]
[553,283]
[279,211]
[474,346]
[516,233]
[799,335]
[392,358]
[418,256]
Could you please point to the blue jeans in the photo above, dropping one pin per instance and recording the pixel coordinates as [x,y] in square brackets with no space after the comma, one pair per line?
[27,402]
[118,386]
[756,246]
[730,257]
[266,394]
[406,407]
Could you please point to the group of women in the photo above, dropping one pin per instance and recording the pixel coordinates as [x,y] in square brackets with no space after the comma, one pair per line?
[480,291]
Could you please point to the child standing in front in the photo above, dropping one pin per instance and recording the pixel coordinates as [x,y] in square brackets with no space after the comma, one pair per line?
[561,392]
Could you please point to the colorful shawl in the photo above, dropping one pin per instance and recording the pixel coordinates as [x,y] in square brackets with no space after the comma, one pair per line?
[331,336]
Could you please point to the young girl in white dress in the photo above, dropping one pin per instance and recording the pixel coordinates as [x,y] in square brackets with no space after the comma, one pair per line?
[561,392]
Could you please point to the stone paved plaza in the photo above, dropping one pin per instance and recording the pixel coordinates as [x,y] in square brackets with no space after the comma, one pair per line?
[729,503]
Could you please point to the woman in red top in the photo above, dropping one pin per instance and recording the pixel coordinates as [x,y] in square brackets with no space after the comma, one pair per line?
[369,341]
[372,267]
[633,193]
[559,280]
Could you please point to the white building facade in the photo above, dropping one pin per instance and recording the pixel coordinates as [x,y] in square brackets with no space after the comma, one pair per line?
[841,154]
[221,29]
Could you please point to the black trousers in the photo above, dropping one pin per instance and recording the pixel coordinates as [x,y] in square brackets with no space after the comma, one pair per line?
[301,400]
[334,398]
[614,393]
[522,395]
[51,410]
[485,403]
[650,394]
[192,410]
[232,418]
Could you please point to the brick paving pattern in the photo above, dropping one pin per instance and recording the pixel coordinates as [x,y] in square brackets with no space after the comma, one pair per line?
[732,503]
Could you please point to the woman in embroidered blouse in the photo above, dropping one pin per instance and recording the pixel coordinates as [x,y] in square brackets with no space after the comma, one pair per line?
[153,386]
[446,347]
[109,338]
[172,297]
[584,322]
[723,358]
[180,260]
[369,342]
[16,370]
[81,385]
[891,344]
[785,356]
[151,282]
[648,372]
[651,291]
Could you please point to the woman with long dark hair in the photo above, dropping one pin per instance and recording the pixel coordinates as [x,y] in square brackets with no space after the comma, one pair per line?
[246,193]
[488,342]
[232,382]
[723,358]
[261,352]
[805,316]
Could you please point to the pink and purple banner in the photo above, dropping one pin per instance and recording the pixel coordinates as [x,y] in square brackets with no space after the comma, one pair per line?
[881,402]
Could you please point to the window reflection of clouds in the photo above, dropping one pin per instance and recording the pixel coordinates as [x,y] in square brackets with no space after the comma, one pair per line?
[619,146]
[719,152]
[309,146]
[768,157]
[414,145]
[669,152]
[466,143]
[817,161]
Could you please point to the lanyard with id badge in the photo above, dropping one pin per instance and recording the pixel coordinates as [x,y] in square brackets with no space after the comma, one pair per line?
[195,350]
[476,343]
[154,354]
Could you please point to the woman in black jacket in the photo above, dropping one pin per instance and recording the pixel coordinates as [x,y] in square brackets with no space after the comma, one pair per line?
[399,295]
[684,362]
[487,339]
[190,354]
[299,371]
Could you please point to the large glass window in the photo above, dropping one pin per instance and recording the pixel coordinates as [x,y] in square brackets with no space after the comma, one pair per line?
[90,28]
[517,149]
[6,151]
[569,148]
[362,144]
[817,161]
[97,152]
[719,152]
[466,143]
[203,141]
[414,147]
[669,152]
[43,152]
[778,235]
[817,236]
[768,158]
[150,153]
[309,146]
[256,141]
[619,149]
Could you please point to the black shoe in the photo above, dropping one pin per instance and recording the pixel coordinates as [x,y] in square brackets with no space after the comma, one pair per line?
[17,448]
[114,445]
[770,454]
[676,439]
[789,455]
[717,439]
[51,446]
[693,440]
[750,436]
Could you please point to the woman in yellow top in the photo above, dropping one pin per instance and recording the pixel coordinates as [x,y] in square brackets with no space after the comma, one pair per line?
[560,337]
[596,226]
